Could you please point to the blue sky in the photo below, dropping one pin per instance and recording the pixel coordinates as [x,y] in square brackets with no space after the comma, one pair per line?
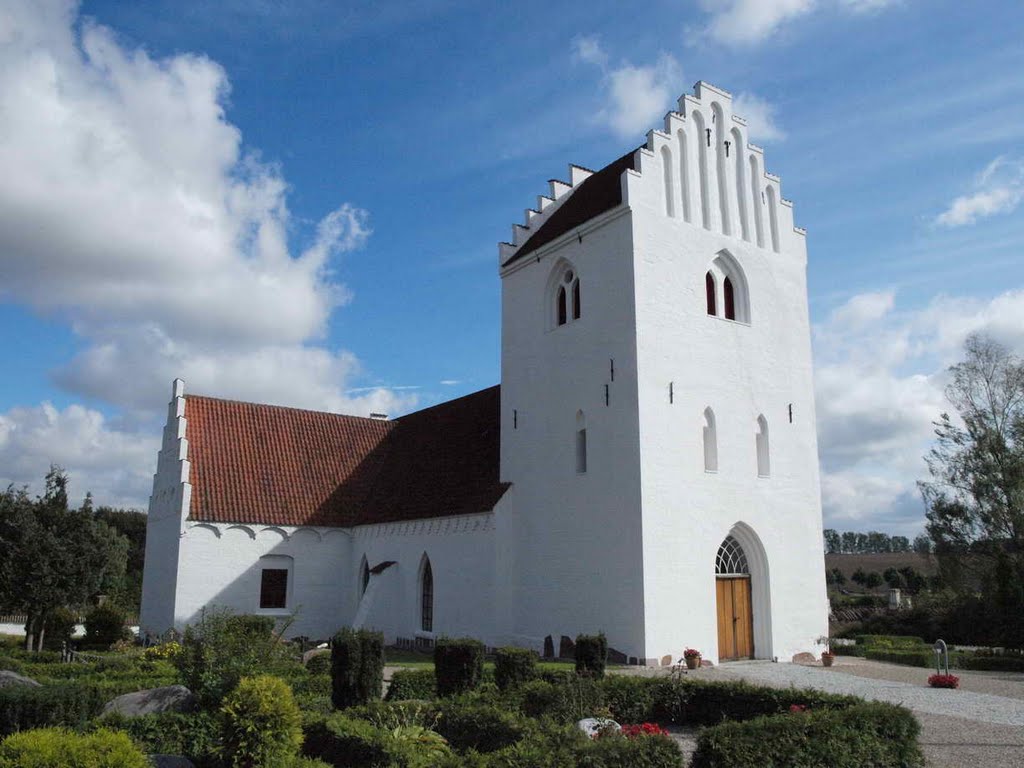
[300,202]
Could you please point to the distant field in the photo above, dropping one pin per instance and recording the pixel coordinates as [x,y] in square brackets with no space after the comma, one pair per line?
[848,564]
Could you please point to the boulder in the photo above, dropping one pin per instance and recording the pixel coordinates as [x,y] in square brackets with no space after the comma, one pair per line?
[8,678]
[170,761]
[171,698]
[592,726]
[804,658]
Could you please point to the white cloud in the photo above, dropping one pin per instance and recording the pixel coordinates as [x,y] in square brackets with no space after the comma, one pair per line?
[748,22]
[879,379]
[744,22]
[636,96]
[117,466]
[129,208]
[760,117]
[999,188]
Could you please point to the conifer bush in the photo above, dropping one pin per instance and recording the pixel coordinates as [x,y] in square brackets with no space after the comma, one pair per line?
[357,667]
[514,666]
[104,626]
[261,724]
[458,665]
[59,748]
[591,655]
[412,684]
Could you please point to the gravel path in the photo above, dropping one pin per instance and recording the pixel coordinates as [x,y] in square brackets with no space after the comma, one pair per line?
[964,704]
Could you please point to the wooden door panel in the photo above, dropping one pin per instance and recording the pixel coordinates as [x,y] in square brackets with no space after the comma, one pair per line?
[744,623]
[735,624]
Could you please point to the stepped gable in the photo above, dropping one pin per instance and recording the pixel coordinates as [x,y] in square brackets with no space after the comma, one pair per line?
[269,465]
[592,195]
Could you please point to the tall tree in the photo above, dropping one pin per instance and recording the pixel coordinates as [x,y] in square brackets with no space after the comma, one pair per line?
[833,541]
[975,498]
[54,556]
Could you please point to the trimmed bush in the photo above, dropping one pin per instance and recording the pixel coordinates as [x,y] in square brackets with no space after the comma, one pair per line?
[514,666]
[195,735]
[630,699]
[911,657]
[348,742]
[566,702]
[480,727]
[389,715]
[992,662]
[56,747]
[58,628]
[412,684]
[357,667]
[104,626]
[261,725]
[320,664]
[879,735]
[640,752]
[458,665]
[591,655]
[24,707]
[889,641]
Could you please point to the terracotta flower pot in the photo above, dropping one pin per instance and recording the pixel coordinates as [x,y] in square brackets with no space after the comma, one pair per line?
[827,659]
[692,662]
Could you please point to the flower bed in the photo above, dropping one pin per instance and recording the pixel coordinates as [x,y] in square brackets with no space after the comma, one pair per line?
[944,681]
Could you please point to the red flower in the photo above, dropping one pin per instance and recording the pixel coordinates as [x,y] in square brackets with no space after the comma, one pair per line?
[944,681]
[797,708]
[691,653]
[643,729]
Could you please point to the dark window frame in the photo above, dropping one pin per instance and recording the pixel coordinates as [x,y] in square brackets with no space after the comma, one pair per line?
[427,598]
[273,588]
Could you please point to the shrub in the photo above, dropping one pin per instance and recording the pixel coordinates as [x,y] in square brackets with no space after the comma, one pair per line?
[565,702]
[412,684]
[992,662]
[345,741]
[167,651]
[480,727]
[195,735]
[654,751]
[919,657]
[879,735]
[59,627]
[23,707]
[389,715]
[630,699]
[591,654]
[261,724]
[889,641]
[222,648]
[320,664]
[514,666]
[104,626]
[458,665]
[56,748]
[357,667]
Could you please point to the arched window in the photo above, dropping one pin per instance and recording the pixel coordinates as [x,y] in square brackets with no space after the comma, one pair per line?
[731,559]
[427,597]
[761,442]
[710,441]
[725,286]
[364,577]
[581,443]
[564,295]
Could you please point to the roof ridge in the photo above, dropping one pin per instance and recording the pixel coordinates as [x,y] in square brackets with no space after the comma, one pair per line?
[447,402]
[286,408]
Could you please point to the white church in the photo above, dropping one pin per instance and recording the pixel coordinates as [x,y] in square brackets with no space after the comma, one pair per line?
[647,467]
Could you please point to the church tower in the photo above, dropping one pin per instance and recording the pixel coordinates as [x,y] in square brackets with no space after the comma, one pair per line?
[657,405]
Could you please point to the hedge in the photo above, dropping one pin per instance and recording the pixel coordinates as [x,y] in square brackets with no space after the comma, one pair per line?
[458,665]
[58,747]
[514,666]
[591,654]
[348,742]
[194,735]
[357,667]
[23,707]
[412,684]
[913,657]
[480,727]
[892,641]
[875,734]
[991,662]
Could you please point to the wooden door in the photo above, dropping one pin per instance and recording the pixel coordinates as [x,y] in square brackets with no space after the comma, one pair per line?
[735,619]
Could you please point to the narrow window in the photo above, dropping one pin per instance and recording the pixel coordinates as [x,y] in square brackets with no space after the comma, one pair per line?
[710,442]
[427,598]
[576,299]
[666,167]
[581,443]
[709,288]
[365,576]
[730,299]
[562,314]
[763,460]
[274,588]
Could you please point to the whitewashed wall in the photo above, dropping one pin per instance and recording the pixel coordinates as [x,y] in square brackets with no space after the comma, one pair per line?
[740,370]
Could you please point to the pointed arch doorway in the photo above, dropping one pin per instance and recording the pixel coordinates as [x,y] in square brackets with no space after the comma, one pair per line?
[734,602]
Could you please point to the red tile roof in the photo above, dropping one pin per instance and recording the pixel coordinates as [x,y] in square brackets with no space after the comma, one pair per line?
[596,194]
[269,465]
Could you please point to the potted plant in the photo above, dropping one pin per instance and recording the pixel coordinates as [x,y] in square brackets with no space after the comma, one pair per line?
[692,657]
[827,657]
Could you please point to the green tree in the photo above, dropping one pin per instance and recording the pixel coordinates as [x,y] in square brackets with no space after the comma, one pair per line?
[859,577]
[54,556]
[873,580]
[900,544]
[922,545]
[833,541]
[894,578]
[975,498]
